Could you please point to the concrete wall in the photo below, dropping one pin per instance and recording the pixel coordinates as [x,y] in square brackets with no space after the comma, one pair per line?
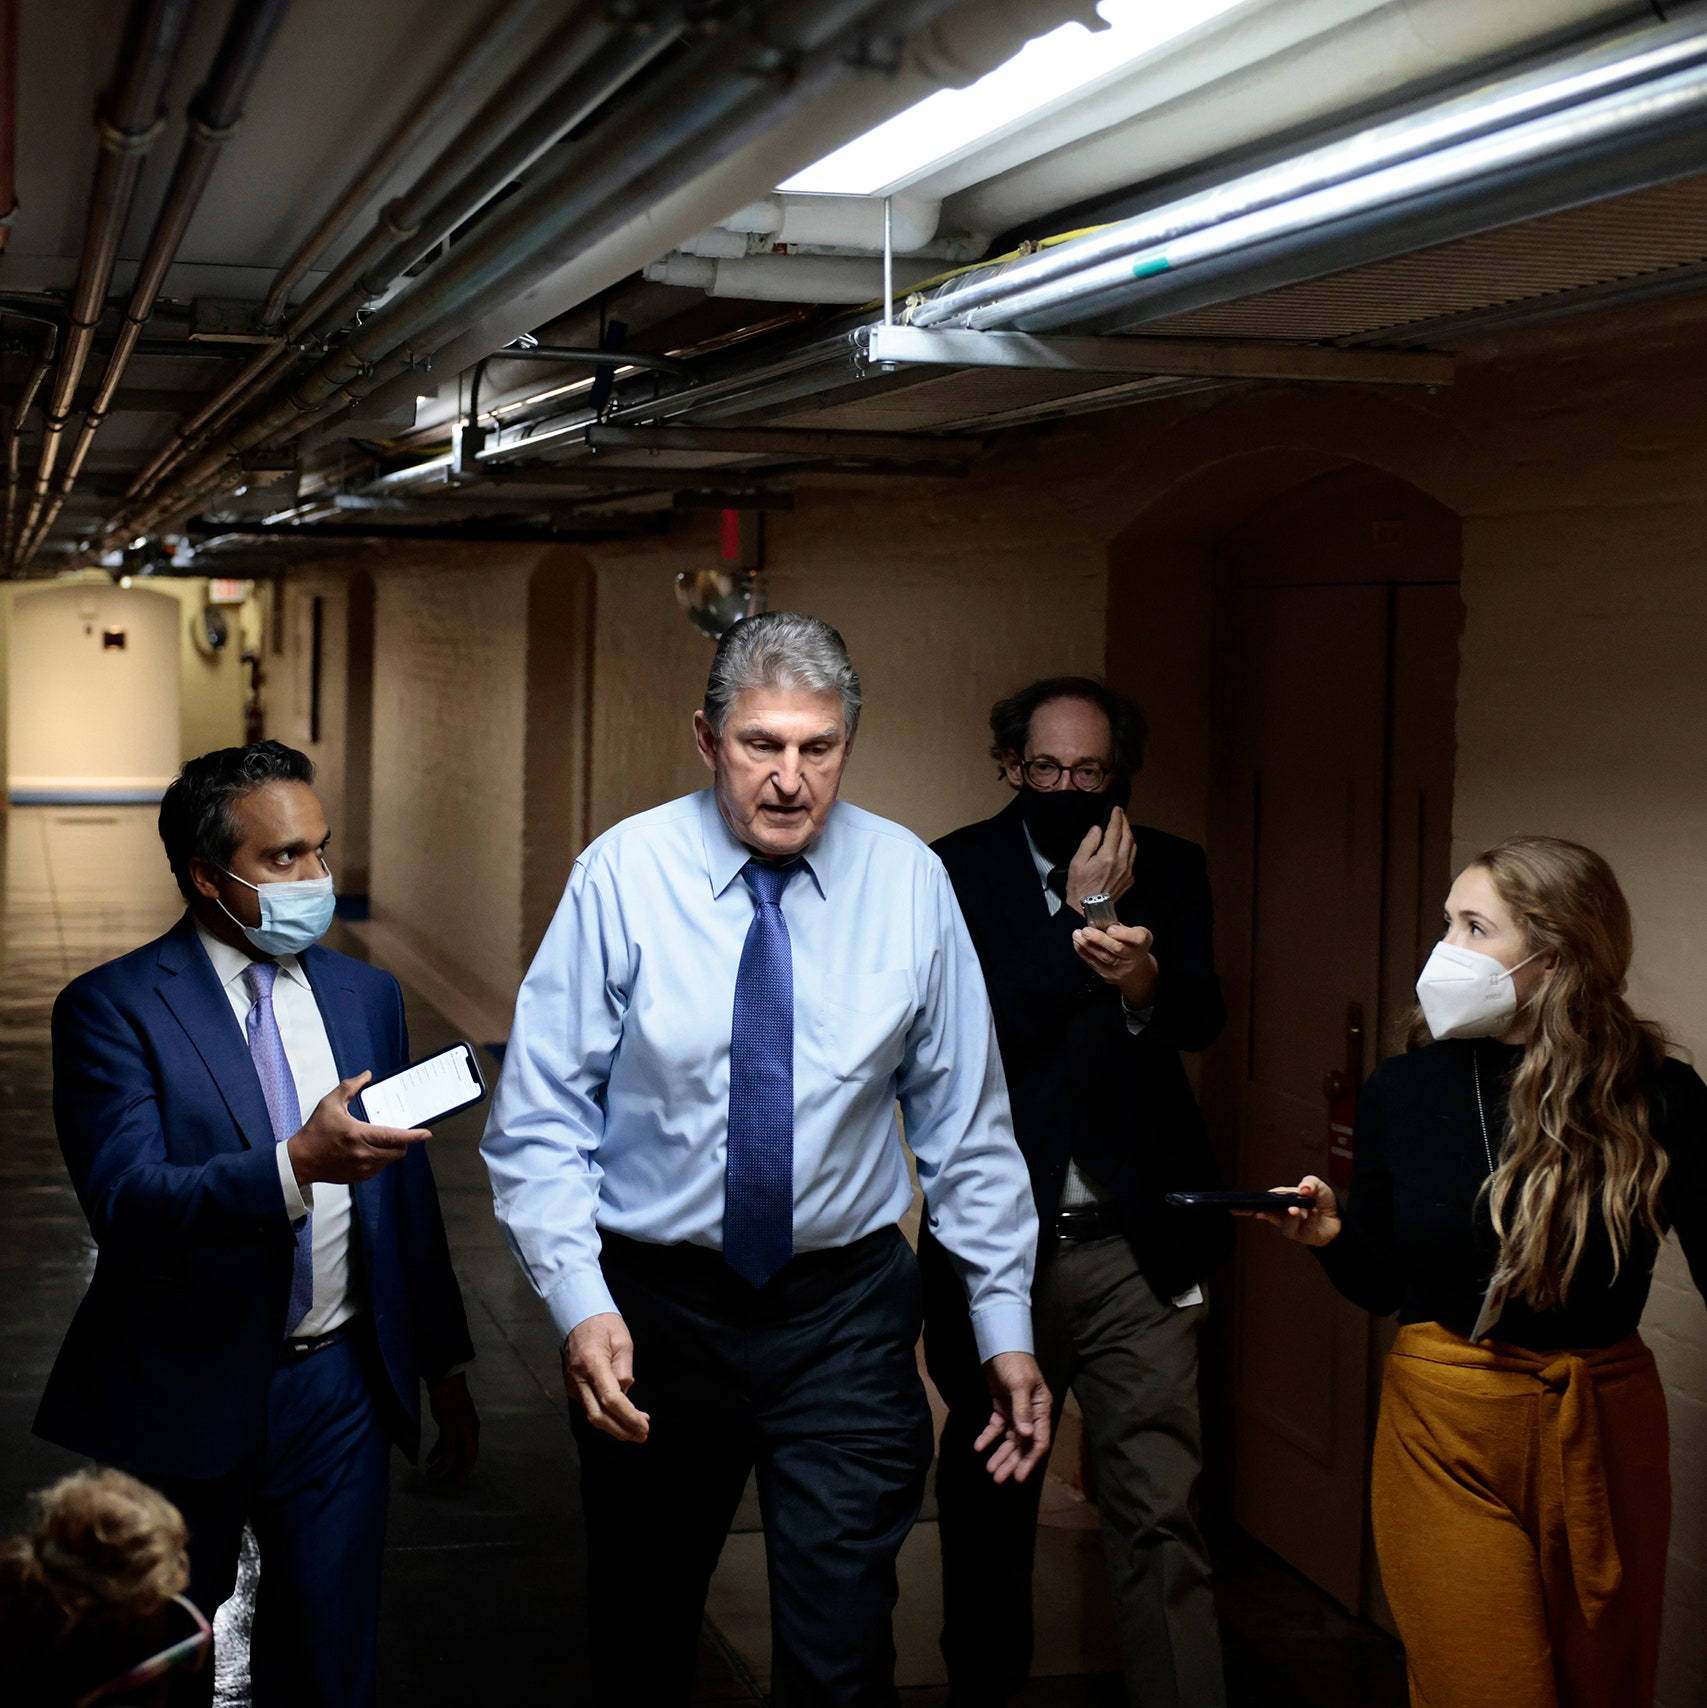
[946,600]
[85,716]
[449,685]
[67,702]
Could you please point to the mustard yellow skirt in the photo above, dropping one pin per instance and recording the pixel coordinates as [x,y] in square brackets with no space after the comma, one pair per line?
[1522,1504]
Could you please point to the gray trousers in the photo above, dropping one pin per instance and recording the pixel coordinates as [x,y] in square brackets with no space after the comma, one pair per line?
[1131,1361]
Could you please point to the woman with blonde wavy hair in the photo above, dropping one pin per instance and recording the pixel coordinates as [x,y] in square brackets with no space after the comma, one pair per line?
[1513,1180]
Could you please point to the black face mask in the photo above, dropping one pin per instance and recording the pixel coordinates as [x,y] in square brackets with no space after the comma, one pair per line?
[1059,819]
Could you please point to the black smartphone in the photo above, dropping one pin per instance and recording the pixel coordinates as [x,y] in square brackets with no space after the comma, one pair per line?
[1239,1200]
[426,1091]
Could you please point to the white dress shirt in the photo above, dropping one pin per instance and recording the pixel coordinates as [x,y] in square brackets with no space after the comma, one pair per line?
[612,1109]
[309,1052]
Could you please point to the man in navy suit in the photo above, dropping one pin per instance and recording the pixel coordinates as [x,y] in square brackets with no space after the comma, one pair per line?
[1091,1023]
[273,1282]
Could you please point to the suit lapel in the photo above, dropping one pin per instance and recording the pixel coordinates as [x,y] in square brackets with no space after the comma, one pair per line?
[1014,869]
[352,1052]
[191,990]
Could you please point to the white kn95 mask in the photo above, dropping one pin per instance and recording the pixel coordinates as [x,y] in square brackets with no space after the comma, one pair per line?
[1466,994]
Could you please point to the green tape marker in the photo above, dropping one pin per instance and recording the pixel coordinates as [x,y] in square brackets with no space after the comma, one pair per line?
[1148,269]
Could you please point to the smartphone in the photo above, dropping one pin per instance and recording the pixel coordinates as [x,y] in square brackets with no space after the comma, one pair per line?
[1238,1200]
[1099,911]
[424,1092]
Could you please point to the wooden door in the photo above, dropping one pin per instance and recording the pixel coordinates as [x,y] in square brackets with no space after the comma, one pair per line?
[1332,845]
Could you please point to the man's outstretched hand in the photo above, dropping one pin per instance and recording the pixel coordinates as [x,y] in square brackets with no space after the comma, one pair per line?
[1018,1430]
[598,1371]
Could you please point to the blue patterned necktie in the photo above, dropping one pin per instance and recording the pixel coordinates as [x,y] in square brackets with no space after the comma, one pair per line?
[279,1088]
[758,1190]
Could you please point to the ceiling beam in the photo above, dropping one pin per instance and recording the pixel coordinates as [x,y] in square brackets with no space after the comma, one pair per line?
[911,346]
[781,441]
[204,528]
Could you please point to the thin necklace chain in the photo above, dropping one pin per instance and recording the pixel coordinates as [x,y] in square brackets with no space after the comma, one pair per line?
[1481,1112]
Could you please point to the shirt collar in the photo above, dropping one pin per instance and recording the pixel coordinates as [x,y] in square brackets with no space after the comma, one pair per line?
[230,964]
[1039,859]
[726,853]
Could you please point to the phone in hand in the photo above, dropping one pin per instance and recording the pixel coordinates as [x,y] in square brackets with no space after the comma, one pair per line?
[1239,1200]
[1099,911]
[426,1091]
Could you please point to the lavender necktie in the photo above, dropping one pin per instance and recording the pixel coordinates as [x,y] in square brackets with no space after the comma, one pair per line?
[279,1088]
[758,1189]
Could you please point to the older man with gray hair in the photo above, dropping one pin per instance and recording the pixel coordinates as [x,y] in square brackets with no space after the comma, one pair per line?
[696,1158]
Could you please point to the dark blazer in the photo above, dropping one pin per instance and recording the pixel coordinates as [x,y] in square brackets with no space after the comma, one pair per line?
[163,1126]
[1082,1086]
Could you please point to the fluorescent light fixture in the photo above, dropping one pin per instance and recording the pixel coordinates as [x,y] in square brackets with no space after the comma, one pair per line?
[1047,71]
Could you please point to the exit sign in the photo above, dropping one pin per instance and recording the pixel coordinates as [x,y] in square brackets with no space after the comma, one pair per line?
[227,592]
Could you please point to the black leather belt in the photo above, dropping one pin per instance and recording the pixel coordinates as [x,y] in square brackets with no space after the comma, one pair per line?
[1089,1221]
[299,1347]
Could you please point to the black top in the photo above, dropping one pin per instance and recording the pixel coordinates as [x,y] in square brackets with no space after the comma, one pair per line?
[1418,1237]
[1081,1084]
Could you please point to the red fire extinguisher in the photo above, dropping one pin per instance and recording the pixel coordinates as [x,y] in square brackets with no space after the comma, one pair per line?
[1340,1088]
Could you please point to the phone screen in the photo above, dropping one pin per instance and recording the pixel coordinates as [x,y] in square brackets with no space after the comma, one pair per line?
[426,1091]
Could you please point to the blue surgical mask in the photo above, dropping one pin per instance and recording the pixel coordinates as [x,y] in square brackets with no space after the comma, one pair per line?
[294,915]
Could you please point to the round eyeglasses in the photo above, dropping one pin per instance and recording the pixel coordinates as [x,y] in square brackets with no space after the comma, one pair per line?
[1045,773]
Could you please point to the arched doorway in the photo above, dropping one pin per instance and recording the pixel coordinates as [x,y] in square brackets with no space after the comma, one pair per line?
[93,694]
[1292,620]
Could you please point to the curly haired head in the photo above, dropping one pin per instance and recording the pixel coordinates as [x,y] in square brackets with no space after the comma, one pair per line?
[106,1545]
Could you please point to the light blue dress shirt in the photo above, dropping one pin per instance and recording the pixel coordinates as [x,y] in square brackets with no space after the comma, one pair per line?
[612,1108]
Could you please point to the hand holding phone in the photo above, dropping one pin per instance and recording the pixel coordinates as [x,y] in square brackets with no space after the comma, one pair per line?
[1249,1202]
[426,1091]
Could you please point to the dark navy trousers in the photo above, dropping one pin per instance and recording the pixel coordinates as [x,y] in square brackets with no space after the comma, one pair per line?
[317,1503]
[811,1381]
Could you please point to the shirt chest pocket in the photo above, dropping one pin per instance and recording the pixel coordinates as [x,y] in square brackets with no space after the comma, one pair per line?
[854,1025]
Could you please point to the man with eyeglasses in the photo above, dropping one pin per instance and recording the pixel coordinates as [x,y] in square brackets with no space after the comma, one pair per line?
[1090,1021]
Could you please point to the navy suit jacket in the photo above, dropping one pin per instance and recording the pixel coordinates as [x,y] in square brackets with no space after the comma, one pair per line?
[166,1365]
[1081,1084]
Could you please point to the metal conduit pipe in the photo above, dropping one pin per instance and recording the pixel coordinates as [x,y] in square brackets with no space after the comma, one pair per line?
[128,123]
[493,35]
[19,414]
[714,102]
[1629,58]
[575,78]
[417,223]
[214,116]
[1544,155]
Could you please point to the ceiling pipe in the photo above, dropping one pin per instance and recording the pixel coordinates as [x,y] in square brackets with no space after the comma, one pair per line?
[601,48]
[715,101]
[586,61]
[849,279]
[1626,140]
[1640,133]
[214,116]
[128,123]
[1626,60]
[493,35]
[19,414]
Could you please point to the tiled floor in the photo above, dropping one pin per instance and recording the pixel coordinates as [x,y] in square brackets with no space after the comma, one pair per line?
[483,1588]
